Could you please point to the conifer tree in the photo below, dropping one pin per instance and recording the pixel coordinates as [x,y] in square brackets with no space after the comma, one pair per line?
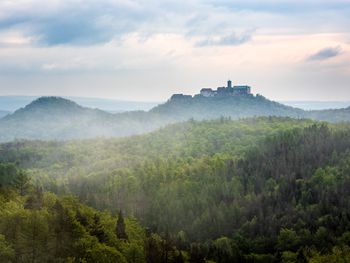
[120,228]
[98,231]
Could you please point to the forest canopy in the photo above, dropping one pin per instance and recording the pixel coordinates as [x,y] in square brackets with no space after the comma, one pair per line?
[255,190]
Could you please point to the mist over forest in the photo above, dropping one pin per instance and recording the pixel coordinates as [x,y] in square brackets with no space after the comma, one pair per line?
[232,179]
[203,131]
[50,118]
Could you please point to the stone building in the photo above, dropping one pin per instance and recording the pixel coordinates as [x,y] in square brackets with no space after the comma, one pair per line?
[226,91]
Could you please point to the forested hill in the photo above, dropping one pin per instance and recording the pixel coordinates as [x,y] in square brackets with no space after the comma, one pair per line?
[52,108]
[200,107]
[332,115]
[51,118]
[255,190]
[57,118]
[39,226]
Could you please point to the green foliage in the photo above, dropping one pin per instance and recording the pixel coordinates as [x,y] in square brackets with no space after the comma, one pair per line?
[105,254]
[254,190]
[120,228]
[287,240]
[7,253]
[55,232]
[337,255]
[10,176]
[289,257]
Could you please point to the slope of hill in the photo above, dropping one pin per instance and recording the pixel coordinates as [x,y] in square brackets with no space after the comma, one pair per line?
[50,107]
[38,226]
[332,115]
[200,107]
[3,113]
[12,103]
[52,118]
[58,118]
[317,105]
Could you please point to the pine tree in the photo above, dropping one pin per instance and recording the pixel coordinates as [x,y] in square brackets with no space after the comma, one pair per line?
[98,231]
[120,229]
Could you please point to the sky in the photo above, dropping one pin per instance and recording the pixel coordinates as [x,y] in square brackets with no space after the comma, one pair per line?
[146,50]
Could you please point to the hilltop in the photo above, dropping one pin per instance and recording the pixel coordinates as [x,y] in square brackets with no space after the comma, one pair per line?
[12,103]
[51,107]
[235,107]
[51,118]
[58,118]
[48,118]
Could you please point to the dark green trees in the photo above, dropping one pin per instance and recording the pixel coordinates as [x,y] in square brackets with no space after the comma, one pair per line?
[11,176]
[248,191]
[97,229]
[120,227]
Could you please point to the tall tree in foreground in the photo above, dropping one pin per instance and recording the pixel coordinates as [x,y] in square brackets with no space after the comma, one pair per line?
[120,229]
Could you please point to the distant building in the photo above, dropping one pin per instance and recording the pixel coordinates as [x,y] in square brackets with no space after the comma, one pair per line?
[241,90]
[207,92]
[226,91]
[229,91]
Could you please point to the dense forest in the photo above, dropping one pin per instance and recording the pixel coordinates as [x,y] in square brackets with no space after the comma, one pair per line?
[38,226]
[254,190]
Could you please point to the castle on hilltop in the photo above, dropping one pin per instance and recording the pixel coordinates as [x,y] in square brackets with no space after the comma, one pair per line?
[229,91]
[226,91]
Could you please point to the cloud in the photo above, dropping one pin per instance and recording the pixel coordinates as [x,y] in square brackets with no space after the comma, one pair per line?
[326,53]
[91,22]
[74,22]
[286,6]
[232,39]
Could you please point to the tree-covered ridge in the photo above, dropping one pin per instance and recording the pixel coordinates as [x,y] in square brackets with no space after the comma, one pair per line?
[332,115]
[38,226]
[187,139]
[200,108]
[50,118]
[52,107]
[254,190]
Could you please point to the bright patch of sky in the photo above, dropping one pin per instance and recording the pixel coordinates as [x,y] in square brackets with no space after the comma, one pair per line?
[147,50]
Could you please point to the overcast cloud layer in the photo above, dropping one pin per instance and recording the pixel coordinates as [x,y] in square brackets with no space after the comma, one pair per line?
[147,50]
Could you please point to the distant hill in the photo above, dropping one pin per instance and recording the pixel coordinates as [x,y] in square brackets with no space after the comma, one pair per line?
[58,118]
[12,103]
[48,118]
[51,107]
[317,105]
[200,107]
[332,115]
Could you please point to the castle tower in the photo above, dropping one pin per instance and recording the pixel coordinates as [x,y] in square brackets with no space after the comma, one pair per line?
[229,84]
